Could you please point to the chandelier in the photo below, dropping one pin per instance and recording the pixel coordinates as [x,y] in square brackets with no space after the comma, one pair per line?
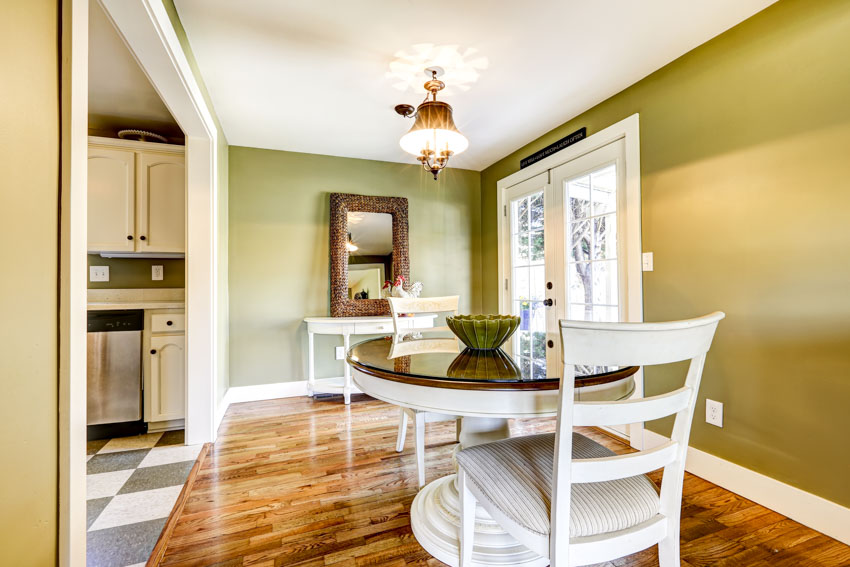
[433,138]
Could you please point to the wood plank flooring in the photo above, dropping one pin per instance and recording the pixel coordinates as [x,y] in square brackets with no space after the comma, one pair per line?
[307,483]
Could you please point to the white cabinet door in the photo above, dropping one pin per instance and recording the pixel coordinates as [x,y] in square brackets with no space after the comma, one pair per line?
[111,200]
[167,396]
[161,203]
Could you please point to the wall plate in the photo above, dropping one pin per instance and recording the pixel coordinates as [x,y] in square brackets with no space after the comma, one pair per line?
[714,412]
[98,273]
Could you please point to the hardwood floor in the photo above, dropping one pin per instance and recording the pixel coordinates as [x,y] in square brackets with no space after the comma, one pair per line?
[298,482]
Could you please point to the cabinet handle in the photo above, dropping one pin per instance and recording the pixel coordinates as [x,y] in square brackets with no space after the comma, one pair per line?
[153,351]
[129,237]
[169,323]
[142,238]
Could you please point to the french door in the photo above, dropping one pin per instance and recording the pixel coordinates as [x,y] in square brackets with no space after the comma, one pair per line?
[571,251]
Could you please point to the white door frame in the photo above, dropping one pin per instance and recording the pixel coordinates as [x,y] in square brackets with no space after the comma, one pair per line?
[147,30]
[628,130]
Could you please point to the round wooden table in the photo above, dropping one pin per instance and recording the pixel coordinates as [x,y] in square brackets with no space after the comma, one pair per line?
[485,388]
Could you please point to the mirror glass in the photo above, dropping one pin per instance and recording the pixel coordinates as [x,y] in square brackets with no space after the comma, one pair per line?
[370,253]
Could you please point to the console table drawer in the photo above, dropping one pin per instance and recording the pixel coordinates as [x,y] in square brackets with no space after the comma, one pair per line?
[373,328]
[331,329]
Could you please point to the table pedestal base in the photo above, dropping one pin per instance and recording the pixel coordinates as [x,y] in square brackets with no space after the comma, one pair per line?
[435,519]
[435,513]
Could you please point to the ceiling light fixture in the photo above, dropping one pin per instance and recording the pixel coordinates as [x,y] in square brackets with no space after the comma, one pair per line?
[433,138]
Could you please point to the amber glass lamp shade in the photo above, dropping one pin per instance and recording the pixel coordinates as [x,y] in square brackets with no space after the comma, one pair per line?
[433,131]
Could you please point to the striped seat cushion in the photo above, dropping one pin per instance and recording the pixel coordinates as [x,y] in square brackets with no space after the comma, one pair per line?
[515,475]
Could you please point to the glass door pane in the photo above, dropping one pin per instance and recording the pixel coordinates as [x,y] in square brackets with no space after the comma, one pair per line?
[528,281]
[592,290]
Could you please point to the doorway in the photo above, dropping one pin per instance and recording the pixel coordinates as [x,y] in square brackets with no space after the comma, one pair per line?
[147,30]
[570,248]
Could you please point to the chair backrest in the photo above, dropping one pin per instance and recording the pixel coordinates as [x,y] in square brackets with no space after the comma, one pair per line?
[627,344]
[416,305]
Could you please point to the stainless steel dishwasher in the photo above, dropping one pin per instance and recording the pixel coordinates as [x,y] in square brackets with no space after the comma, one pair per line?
[114,367]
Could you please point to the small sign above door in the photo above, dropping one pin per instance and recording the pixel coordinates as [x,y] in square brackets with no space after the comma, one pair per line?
[555,147]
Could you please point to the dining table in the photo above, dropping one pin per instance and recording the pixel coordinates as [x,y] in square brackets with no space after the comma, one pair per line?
[485,388]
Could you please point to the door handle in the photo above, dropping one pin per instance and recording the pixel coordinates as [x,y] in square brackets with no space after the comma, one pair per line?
[548,302]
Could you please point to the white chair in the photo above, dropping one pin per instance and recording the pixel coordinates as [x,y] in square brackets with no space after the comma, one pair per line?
[405,305]
[570,499]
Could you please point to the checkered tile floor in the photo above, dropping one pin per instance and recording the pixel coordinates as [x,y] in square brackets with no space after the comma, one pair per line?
[132,484]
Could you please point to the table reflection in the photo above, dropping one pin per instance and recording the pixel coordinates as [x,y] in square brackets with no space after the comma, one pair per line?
[484,365]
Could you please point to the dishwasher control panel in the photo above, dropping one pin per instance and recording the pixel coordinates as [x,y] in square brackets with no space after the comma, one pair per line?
[106,321]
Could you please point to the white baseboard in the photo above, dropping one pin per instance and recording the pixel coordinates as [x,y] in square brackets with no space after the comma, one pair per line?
[260,392]
[810,510]
[239,394]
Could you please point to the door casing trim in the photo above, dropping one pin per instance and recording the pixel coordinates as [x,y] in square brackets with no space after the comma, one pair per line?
[146,28]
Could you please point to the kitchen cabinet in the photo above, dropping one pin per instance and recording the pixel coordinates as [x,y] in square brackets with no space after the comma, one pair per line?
[165,368]
[136,197]
[161,203]
[111,200]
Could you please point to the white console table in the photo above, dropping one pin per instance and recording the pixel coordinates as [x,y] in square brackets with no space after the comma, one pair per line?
[347,326]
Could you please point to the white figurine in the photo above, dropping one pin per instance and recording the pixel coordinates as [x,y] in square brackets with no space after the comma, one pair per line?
[396,288]
[415,289]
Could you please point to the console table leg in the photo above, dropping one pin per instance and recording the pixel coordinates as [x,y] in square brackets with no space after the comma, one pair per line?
[346,389]
[311,365]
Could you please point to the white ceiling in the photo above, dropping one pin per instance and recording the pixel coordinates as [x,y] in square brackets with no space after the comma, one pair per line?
[314,76]
[120,94]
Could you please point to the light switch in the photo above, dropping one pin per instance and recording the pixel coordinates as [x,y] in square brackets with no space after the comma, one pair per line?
[156,272]
[647,261]
[98,273]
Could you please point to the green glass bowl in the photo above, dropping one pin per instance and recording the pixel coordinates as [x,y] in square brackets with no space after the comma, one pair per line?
[483,332]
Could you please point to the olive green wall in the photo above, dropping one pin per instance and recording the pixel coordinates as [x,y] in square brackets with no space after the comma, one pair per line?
[222,228]
[130,273]
[29,254]
[279,210]
[745,158]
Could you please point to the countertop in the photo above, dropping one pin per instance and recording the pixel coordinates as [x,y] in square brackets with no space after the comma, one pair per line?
[161,298]
[110,305]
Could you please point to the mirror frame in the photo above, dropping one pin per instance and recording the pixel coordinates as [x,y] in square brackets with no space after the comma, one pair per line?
[341,205]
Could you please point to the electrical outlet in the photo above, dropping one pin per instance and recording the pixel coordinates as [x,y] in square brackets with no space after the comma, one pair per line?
[98,273]
[714,412]
[156,273]
[647,261]
[340,353]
